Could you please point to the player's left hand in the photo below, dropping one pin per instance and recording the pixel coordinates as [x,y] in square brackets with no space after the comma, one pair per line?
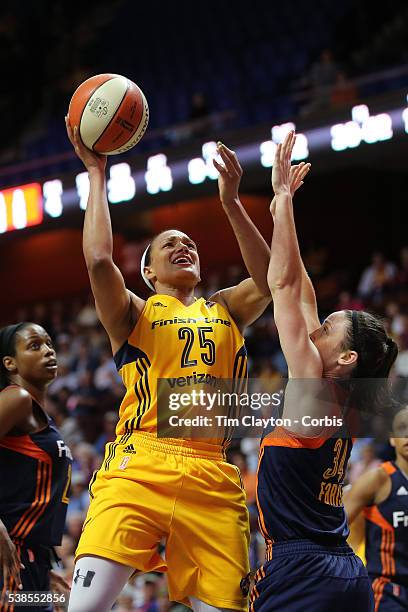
[230,174]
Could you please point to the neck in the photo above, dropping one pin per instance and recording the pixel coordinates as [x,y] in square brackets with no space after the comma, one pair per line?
[402,464]
[38,393]
[184,294]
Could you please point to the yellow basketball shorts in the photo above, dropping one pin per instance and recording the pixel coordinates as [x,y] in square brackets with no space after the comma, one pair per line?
[148,490]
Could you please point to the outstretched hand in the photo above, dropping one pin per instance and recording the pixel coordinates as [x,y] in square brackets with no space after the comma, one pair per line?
[296,176]
[89,158]
[281,165]
[230,174]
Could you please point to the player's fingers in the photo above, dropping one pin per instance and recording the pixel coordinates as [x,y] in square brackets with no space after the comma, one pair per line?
[221,168]
[304,171]
[286,145]
[69,130]
[232,156]
[297,166]
[296,169]
[77,140]
[227,160]
[230,160]
[277,154]
[298,175]
[291,144]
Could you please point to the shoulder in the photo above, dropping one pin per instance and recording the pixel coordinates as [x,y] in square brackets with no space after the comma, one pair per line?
[217,300]
[16,396]
[15,406]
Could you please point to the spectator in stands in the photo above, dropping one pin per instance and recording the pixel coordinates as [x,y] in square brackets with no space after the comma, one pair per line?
[108,435]
[248,478]
[67,547]
[85,400]
[321,78]
[84,361]
[67,424]
[150,594]
[86,460]
[402,276]
[398,321]
[368,461]
[126,600]
[199,114]
[74,523]
[349,302]
[344,92]
[106,373]
[87,316]
[401,370]
[79,499]
[377,278]
[324,71]
[199,107]
[64,351]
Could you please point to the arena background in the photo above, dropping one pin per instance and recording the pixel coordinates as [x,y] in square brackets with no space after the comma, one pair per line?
[210,71]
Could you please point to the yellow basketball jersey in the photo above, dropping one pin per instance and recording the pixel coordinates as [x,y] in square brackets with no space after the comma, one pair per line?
[178,342]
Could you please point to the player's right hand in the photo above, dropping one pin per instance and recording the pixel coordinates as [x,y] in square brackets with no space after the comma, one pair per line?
[9,560]
[89,158]
[296,176]
[230,174]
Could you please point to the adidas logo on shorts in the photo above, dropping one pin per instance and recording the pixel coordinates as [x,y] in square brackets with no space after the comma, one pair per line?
[129,449]
[402,491]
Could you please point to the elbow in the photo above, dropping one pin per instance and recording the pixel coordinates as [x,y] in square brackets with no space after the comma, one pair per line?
[275,284]
[97,261]
[282,277]
[264,291]
[280,283]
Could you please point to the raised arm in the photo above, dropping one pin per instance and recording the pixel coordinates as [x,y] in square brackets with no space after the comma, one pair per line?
[118,308]
[247,297]
[285,274]
[247,300]
[308,296]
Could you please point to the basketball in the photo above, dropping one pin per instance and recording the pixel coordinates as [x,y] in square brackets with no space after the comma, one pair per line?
[111,113]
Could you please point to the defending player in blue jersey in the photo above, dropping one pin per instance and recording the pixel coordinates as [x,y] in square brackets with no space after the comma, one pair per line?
[381,496]
[309,565]
[35,468]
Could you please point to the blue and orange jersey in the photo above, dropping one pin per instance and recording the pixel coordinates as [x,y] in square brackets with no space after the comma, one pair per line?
[387,531]
[191,346]
[35,474]
[300,488]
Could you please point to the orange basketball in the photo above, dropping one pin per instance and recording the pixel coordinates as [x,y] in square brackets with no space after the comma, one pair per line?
[111,113]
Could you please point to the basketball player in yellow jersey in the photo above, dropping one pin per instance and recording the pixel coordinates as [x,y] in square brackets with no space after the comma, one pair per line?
[150,488]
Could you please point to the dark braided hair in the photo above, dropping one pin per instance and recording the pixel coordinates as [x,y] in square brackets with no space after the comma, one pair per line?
[8,348]
[376,352]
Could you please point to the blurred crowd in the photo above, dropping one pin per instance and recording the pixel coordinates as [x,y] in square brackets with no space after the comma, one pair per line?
[239,70]
[85,397]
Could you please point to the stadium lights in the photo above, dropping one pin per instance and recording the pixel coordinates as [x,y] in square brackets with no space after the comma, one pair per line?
[25,205]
